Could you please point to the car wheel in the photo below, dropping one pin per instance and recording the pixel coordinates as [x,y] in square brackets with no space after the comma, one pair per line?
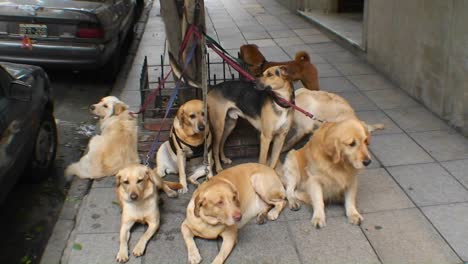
[45,148]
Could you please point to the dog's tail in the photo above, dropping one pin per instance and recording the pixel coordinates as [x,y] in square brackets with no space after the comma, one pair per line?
[374,127]
[302,56]
[178,72]
[172,185]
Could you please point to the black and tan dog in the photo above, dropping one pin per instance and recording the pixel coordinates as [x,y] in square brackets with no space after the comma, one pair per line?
[227,101]
[183,152]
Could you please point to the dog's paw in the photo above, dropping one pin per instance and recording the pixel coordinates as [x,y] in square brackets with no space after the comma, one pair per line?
[183,190]
[355,219]
[194,182]
[226,160]
[261,218]
[172,194]
[318,221]
[294,204]
[122,256]
[138,250]
[194,257]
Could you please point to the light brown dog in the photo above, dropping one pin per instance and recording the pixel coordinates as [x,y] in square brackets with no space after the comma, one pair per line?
[300,68]
[137,192]
[326,167]
[115,147]
[222,205]
[326,107]
[183,152]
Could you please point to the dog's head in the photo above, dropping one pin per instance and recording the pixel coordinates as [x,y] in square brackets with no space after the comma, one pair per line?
[347,141]
[108,106]
[251,55]
[136,182]
[218,204]
[191,117]
[274,78]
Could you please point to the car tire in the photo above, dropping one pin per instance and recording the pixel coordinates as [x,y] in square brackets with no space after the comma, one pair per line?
[45,149]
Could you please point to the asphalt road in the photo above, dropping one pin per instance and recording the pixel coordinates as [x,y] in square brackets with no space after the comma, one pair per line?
[29,213]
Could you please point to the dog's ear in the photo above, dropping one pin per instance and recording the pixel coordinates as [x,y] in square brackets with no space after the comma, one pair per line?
[333,149]
[119,108]
[181,114]
[198,203]
[368,134]
[153,177]
[282,71]
[118,180]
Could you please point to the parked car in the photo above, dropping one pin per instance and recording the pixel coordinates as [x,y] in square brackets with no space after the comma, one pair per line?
[74,34]
[28,133]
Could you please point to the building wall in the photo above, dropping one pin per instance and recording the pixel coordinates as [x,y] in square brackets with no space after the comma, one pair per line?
[423,46]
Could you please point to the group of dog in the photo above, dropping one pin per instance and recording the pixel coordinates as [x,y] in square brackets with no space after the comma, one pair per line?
[324,169]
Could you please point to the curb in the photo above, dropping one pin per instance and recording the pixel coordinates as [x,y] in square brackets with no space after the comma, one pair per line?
[63,232]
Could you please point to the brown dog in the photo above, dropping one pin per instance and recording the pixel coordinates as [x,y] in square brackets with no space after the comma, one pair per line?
[228,201]
[300,68]
[326,167]
[183,152]
[137,194]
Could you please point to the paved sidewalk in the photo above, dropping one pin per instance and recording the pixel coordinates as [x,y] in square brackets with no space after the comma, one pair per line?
[414,198]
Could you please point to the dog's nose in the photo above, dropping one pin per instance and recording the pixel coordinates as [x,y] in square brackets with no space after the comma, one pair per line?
[201,127]
[92,107]
[366,162]
[237,216]
[133,196]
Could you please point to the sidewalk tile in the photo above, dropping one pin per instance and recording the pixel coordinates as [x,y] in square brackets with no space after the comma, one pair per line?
[313,39]
[289,41]
[450,220]
[379,117]
[429,184]
[358,101]
[256,35]
[398,149]
[101,249]
[106,182]
[262,42]
[307,31]
[405,236]
[282,33]
[353,68]
[336,85]
[274,53]
[306,211]
[443,145]
[379,192]
[338,242]
[459,169]
[267,243]
[341,56]
[100,213]
[369,82]
[416,119]
[391,98]
[324,69]
[326,47]
[314,58]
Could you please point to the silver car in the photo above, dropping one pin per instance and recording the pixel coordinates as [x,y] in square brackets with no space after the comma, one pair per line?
[74,34]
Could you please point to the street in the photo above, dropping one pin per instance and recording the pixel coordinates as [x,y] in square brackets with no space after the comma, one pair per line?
[29,213]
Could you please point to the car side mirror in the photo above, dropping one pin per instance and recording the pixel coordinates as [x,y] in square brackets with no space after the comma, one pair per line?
[20,91]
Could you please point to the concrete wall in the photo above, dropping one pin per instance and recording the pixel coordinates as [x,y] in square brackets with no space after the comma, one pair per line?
[423,46]
[325,5]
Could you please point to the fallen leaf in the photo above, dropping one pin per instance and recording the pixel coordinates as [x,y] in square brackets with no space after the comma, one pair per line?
[77,246]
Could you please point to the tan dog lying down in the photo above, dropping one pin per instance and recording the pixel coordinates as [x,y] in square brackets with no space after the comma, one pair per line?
[138,195]
[326,167]
[115,147]
[186,142]
[324,106]
[227,201]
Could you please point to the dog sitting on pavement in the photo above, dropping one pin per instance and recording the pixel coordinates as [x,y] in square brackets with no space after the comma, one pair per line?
[222,205]
[115,147]
[299,69]
[184,150]
[137,191]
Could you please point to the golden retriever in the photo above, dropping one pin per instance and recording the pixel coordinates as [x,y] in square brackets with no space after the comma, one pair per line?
[326,167]
[185,148]
[137,191]
[115,147]
[223,204]
[326,107]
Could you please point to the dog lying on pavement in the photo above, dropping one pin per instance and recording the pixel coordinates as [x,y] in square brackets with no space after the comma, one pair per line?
[325,169]
[115,147]
[300,68]
[227,101]
[186,142]
[222,205]
[137,192]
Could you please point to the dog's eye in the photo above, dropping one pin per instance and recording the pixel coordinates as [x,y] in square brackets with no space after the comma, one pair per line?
[203,114]
[269,74]
[192,116]
[105,106]
[220,203]
[126,182]
[140,181]
[352,144]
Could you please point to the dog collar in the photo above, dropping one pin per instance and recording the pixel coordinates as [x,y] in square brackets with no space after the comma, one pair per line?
[279,102]
[197,151]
